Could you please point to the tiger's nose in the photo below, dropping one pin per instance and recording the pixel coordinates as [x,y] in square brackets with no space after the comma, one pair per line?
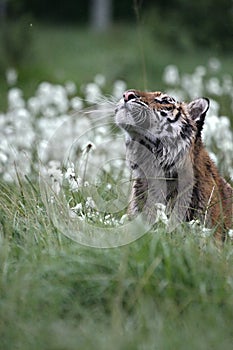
[129,95]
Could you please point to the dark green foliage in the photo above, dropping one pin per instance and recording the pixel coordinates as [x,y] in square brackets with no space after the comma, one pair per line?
[180,23]
[186,24]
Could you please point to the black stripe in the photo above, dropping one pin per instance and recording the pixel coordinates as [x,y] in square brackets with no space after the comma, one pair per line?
[149,147]
[186,131]
[176,117]
[156,148]
[133,166]
[155,144]
[153,147]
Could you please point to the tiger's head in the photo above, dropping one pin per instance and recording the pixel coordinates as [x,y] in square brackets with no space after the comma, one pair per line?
[157,115]
[160,122]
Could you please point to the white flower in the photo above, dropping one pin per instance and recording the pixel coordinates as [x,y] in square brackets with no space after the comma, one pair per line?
[55,175]
[76,103]
[60,98]
[70,87]
[213,157]
[227,84]
[74,182]
[4,146]
[44,89]
[171,75]
[230,234]
[11,76]
[52,96]
[78,207]
[213,86]
[214,64]
[70,173]
[210,128]
[161,213]
[194,223]
[90,203]
[3,157]
[22,117]
[214,108]
[54,170]
[100,80]
[15,98]
[2,120]
[33,104]
[7,177]
[48,126]
[49,112]
[92,93]
[56,186]
[200,70]
[206,232]
[119,88]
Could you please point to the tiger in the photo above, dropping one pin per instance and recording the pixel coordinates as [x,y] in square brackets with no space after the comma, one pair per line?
[169,162]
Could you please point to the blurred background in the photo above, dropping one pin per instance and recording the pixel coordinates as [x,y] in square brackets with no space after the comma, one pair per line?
[133,40]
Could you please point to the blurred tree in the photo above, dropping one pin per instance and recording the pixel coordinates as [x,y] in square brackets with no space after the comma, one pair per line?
[100,14]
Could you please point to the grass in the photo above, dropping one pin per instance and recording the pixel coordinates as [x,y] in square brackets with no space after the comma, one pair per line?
[160,292]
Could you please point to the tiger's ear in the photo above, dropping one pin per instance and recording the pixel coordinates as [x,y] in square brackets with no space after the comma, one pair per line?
[197,110]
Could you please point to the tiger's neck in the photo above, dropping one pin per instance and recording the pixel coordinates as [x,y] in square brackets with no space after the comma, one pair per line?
[147,156]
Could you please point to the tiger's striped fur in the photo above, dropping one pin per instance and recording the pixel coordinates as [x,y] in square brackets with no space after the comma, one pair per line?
[169,162]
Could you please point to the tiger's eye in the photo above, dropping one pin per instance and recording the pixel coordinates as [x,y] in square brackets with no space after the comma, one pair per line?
[162,102]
